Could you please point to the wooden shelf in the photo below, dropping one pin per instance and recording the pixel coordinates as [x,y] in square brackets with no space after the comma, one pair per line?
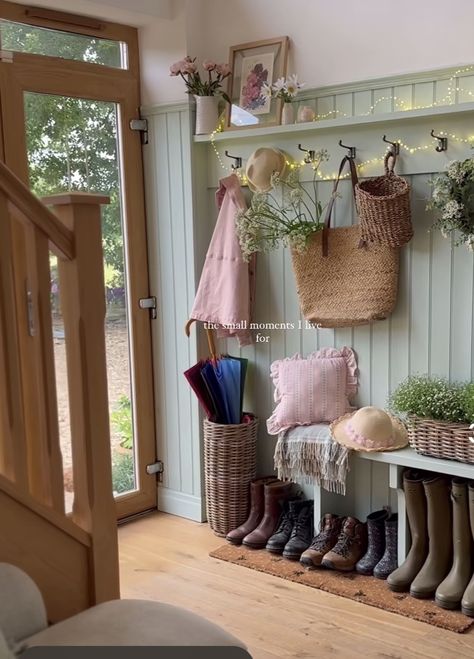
[328,124]
[407,457]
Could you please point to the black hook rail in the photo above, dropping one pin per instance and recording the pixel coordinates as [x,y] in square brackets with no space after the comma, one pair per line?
[310,154]
[442,142]
[352,149]
[395,146]
[238,160]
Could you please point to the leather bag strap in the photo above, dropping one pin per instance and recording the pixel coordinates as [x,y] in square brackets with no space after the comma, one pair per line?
[327,219]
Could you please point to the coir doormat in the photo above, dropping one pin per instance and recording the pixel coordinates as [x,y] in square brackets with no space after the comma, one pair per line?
[367,590]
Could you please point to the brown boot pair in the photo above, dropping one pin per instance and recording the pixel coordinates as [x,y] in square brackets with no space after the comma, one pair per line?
[340,543]
[267,495]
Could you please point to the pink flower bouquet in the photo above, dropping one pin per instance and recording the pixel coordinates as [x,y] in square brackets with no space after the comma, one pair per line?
[208,85]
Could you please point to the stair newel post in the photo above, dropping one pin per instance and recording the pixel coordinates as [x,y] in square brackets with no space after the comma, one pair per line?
[82,294]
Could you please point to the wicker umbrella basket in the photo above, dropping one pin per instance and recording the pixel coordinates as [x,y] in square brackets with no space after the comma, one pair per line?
[441,439]
[383,204]
[230,464]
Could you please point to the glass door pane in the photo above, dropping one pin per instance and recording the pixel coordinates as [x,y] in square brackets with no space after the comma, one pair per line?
[72,145]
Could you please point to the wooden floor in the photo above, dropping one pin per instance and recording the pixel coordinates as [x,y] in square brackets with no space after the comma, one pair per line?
[166,558]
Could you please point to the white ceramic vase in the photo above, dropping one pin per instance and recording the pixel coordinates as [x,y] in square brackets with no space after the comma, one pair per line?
[207,114]
[287,114]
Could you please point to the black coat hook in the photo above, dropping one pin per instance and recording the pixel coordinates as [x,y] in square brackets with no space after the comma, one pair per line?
[310,154]
[238,160]
[352,149]
[395,146]
[442,142]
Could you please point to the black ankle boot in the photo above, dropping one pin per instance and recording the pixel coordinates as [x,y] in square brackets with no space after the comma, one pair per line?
[278,540]
[302,532]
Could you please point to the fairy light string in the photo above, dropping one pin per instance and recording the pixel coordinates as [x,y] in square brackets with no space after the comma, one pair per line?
[453,90]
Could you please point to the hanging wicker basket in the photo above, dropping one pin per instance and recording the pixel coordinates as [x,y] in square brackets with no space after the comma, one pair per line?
[383,205]
[230,464]
[441,439]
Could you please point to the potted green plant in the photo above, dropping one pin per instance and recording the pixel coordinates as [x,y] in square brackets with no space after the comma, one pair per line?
[438,415]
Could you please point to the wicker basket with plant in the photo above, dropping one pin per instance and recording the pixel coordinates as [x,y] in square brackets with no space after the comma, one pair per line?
[438,416]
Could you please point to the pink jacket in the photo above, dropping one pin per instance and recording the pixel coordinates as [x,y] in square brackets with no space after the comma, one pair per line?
[226,290]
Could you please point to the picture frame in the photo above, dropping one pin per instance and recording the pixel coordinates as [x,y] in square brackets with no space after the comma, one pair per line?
[252,65]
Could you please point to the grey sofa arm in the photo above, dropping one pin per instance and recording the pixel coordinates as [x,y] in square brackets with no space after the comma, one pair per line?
[22,610]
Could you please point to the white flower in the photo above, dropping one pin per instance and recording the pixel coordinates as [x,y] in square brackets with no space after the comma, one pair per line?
[275,179]
[296,194]
[444,233]
[292,85]
[452,210]
[470,242]
[266,91]
[279,85]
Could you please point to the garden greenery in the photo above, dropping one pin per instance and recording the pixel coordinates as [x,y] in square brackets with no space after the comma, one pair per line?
[434,398]
[453,197]
[285,216]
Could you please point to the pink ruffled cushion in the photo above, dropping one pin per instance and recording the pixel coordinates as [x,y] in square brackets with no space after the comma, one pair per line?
[313,390]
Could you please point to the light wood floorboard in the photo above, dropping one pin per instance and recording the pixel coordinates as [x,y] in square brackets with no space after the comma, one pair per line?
[165,558]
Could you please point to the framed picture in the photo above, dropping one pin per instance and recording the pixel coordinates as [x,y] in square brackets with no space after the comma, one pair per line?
[254,64]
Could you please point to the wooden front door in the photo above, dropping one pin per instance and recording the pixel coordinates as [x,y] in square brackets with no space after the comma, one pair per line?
[69,89]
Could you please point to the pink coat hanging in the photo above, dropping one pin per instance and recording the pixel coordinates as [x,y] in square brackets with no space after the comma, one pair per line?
[226,289]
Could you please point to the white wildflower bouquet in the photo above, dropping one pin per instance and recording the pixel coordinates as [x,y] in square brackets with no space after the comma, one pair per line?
[285,216]
[453,197]
[284,88]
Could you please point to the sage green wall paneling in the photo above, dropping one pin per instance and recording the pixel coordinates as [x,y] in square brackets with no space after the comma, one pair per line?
[423,94]
[325,106]
[382,101]
[443,93]
[430,330]
[362,103]
[466,89]
[403,97]
[171,254]
[344,105]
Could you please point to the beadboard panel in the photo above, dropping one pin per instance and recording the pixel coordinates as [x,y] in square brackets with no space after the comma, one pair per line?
[439,88]
[430,331]
[171,243]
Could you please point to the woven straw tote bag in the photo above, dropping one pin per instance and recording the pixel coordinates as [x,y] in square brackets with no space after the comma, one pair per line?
[384,207]
[342,281]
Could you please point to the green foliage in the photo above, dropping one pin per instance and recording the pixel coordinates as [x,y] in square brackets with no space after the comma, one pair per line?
[430,397]
[123,472]
[122,422]
[468,401]
[453,197]
[72,142]
[285,219]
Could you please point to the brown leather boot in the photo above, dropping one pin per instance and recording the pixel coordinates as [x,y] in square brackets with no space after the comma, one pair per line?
[350,547]
[450,591]
[440,538]
[329,530]
[467,604]
[275,495]
[400,580]
[257,504]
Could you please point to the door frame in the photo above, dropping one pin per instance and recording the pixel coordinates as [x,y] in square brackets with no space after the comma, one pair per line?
[57,76]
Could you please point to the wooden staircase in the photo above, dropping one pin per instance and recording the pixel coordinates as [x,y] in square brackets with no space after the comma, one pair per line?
[72,557]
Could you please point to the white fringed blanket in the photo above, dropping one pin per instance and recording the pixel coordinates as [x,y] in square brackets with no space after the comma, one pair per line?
[308,454]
